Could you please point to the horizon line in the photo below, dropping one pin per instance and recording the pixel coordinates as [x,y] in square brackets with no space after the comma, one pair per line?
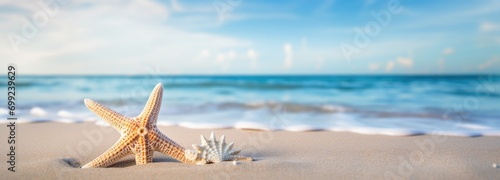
[360,74]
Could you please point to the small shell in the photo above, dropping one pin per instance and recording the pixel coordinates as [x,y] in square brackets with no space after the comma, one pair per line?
[213,151]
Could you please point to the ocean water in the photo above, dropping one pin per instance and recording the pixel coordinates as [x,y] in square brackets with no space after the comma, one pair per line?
[388,105]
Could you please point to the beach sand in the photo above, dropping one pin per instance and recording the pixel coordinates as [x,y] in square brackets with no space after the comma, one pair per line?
[56,150]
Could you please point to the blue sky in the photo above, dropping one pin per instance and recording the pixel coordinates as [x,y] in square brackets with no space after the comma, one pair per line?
[251,37]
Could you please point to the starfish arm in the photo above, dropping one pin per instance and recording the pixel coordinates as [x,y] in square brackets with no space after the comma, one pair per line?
[168,147]
[114,118]
[113,154]
[143,154]
[149,114]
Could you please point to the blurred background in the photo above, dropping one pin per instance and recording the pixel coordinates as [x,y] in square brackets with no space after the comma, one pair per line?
[251,37]
[396,67]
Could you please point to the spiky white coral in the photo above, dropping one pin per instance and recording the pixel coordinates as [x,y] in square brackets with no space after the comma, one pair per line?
[213,151]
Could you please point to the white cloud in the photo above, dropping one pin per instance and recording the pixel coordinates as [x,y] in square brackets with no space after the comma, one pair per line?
[204,54]
[303,43]
[320,62]
[373,66]
[287,48]
[446,17]
[224,59]
[405,61]
[389,66]
[441,63]
[325,6]
[113,37]
[488,27]
[489,63]
[176,6]
[448,51]
[379,50]
[369,2]
[489,33]
[253,56]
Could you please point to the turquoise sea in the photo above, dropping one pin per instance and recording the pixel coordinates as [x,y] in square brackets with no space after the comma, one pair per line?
[465,105]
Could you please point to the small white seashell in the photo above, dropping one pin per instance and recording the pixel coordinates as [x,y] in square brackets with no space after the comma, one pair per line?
[235,163]
[213,151]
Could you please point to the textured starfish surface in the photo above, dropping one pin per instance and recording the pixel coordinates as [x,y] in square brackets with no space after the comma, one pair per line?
[139,135]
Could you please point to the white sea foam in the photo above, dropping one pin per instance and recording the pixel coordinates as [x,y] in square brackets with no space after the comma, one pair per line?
[38,111]
[262,119]
[252,126]
[340,122]
[67,120]
[302,128]
[342,125]
[23,121]
[3,111]
[474,126]
[203,125]
[333,108]
[101,123]
[166,123]
[256,104]
[393,105]
[65,114]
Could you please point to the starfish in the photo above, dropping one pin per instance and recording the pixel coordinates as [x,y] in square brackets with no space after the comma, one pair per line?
[139,135]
